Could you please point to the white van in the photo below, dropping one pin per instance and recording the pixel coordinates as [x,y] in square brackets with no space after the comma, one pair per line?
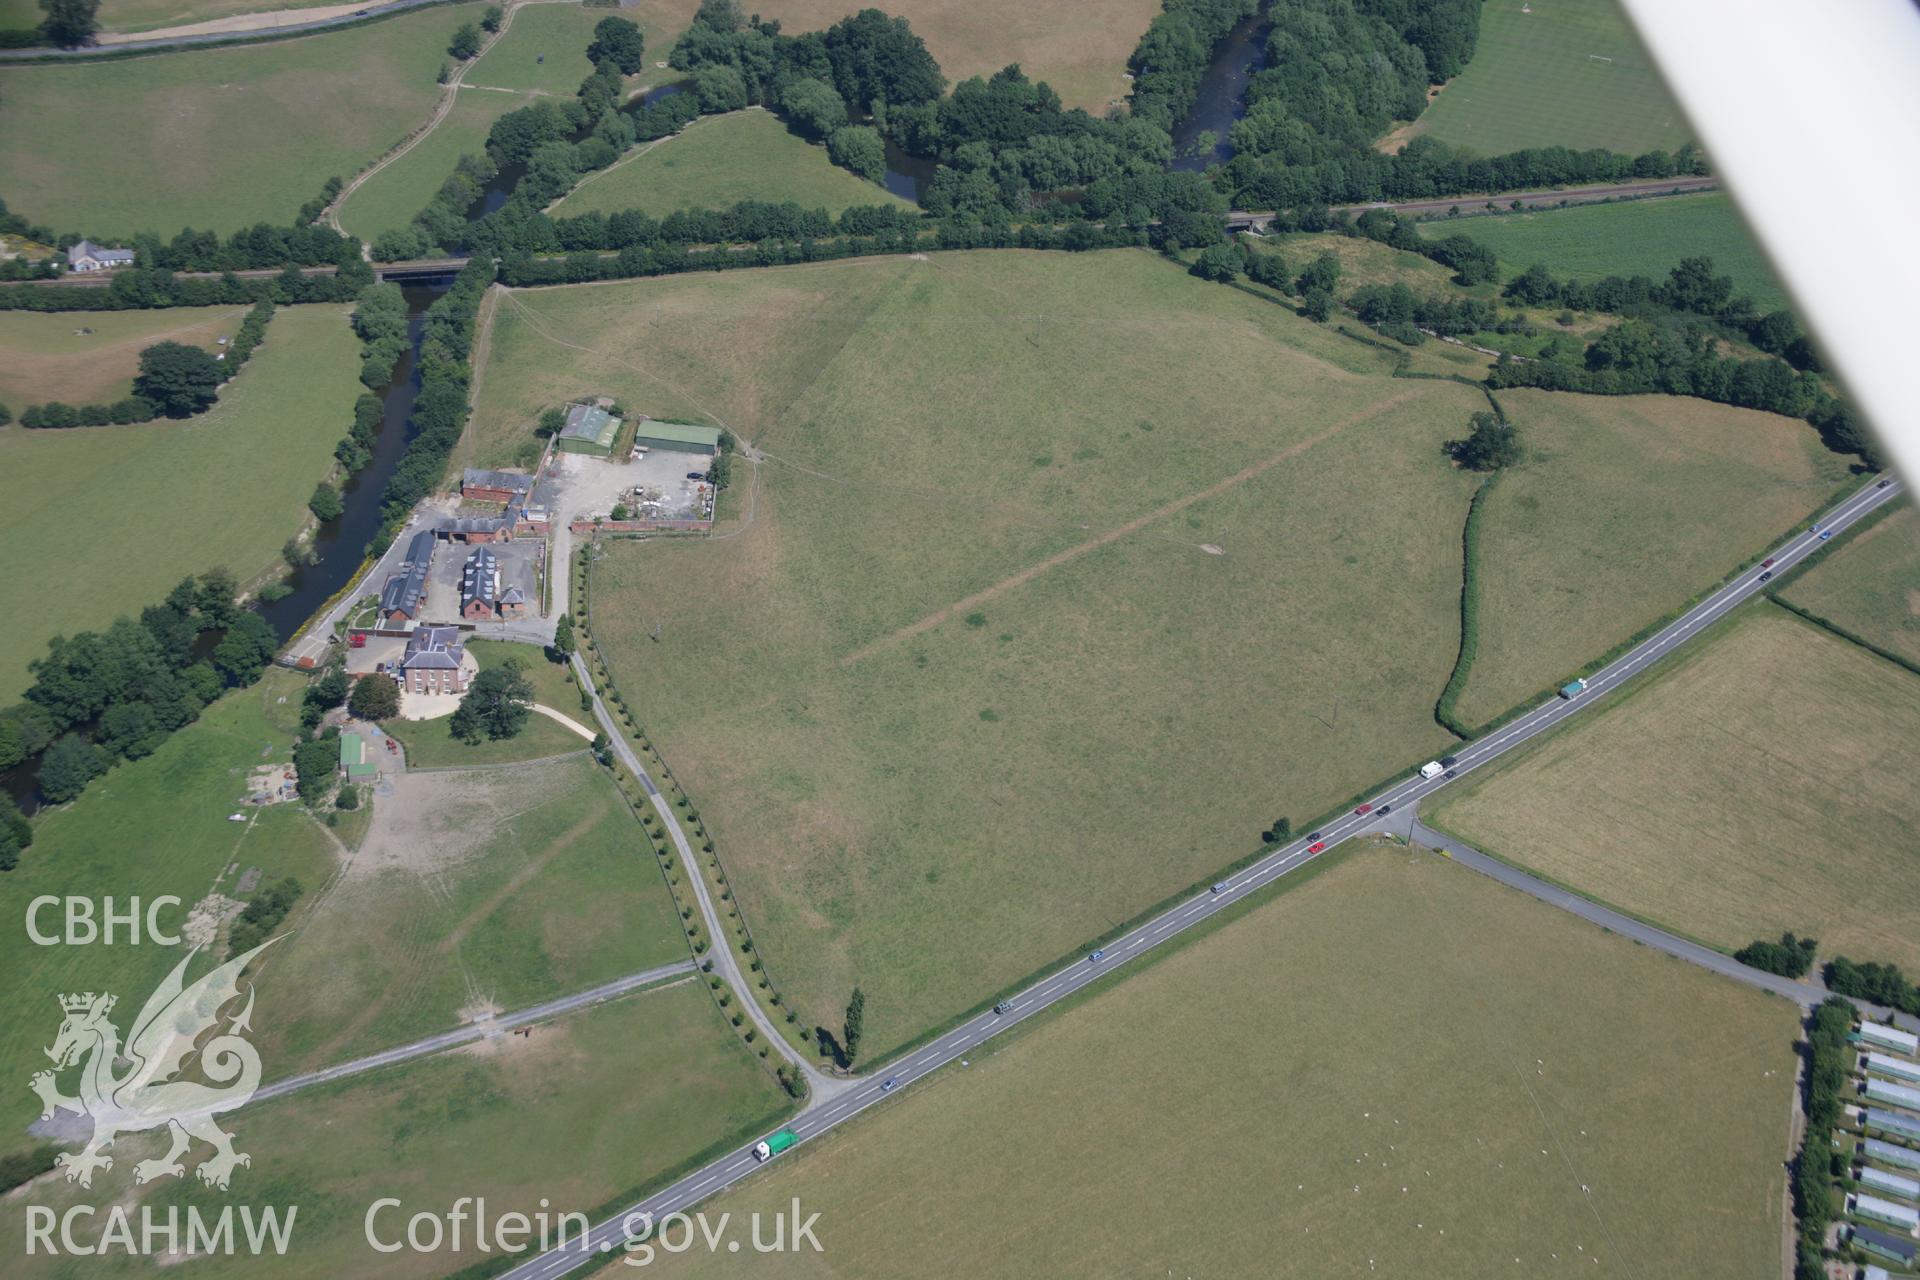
[1431,769]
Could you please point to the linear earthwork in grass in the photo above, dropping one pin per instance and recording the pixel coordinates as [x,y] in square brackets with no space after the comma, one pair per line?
[719,161]
[130,510]
[1567,73]
[152,827]
[583,1112]
[1396,1068]
[89,357]
[476,892]
[1628,238]
[1870,587]
[1625,508]
[206,138]
[1761,783]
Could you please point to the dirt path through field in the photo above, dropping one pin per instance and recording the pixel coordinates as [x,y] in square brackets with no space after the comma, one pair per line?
[1132,526]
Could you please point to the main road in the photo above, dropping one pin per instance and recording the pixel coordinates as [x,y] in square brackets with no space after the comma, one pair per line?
[606,1239]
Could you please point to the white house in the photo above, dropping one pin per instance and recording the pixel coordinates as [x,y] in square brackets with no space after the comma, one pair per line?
[88,256]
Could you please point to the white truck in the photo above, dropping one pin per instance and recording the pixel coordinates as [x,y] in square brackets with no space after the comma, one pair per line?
[1431,769]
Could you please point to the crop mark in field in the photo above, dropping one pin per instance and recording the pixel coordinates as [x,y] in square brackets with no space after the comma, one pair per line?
[1132,526]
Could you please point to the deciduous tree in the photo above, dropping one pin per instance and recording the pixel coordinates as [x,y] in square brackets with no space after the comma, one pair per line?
[178,379]
[374,697]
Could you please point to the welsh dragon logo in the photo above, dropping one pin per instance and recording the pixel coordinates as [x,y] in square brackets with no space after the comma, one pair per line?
[149,1093]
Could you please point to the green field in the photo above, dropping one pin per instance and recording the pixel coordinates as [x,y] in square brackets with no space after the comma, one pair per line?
[482,891]
[587,1109]
[46,356]
[1395,1069]
[1625,508]
[388,200]
[102,506]
[1559,73]
[205,138]
[155,826]
[149,15]
[431,744]
[719,161]
[1635,237]
[1871,585]
[1758,783]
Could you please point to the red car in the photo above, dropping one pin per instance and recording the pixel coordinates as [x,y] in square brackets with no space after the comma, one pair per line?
[1317,848]
[1363,811]
[1767,563]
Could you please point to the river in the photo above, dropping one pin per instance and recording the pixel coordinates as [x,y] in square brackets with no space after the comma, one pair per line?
[1223,96]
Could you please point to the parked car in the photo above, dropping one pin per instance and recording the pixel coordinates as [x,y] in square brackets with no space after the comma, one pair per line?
[1363,810]
[1097,956]
[696,475]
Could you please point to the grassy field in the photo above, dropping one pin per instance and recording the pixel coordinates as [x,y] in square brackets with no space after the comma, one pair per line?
[100,505]
[545,50]
[1758,784]
[1871,586]
[586,1109]
[389,199]
[1563,73]
[1626,506]
[881,704]
[719,161]
[1085,60]
[155,826]
[1637,237]
[431,744]
[1395,1069]
[474,892]
[203,138]
[44,356]
[149,15]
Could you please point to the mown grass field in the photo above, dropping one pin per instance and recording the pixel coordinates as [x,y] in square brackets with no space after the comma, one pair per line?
[153,827]
[586,1109]
[205,138]
[1084,59]
[1871,585]
[545,50]
[389,199]
[44,356]
[99,505]
[1758,783]
[1567,73]
[485,891]
[880,696]
[719,161]
[1634,237]
[1397,1068]
[1625,508]
[431,744]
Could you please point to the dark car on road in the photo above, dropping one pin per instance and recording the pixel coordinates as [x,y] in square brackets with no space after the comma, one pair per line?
[1005,1006]
[1385,809]
[1447,762]
[1883,484]
[1767,575]
[1313,835]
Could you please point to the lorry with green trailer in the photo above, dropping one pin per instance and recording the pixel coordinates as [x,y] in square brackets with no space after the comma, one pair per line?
[1573,689]
[771,1147]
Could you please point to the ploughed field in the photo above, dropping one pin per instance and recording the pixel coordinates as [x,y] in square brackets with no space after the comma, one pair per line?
[1394,1068]
[1062,578]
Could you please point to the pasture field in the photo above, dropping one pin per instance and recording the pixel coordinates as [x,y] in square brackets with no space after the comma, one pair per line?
[587,1109]
[151,15]
[203,137]
[545,50]
[1625,508]
[1085,59]
[474,892]
[87,501]
[1396,1068]
[879,700]
[1758,783]
[151,827]
[44,356]
[1632,237]
[431,744]
[388,200]
[1566,73]
[1871,585]
[719,161]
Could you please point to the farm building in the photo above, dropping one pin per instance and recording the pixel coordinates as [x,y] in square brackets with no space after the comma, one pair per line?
[589,429]
[434,662]
[1898,1095]
[1883,1245]
[672,437]
[1875,1209]
[472,529]
[405,594]
[88,256]
[1875,1273]
[495,486]
[1890,1153]
[1878,1033]
[353,759]
[1892,1184]
[1882,1064]
[481,597]
[1900,1122]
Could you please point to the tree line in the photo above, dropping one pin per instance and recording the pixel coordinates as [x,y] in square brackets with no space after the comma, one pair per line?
[140,288]
[1817,1163]
[1882,984]
[304,243]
